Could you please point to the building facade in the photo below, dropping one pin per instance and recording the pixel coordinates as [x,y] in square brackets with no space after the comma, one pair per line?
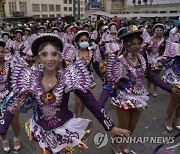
[42,8]
[139,6]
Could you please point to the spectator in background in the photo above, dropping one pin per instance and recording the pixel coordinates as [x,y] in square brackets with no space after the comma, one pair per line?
[116,20]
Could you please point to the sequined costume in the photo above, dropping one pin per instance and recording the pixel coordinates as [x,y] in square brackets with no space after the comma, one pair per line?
[67,38]
[5,86]
[155,53]
[16,52]
[52,124]
[130,92]
[70,54]
[171,63]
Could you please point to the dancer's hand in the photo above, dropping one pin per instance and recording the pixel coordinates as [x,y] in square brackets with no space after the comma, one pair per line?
[120,132]
[176,91]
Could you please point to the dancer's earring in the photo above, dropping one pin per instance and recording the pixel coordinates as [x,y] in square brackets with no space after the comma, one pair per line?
[41,67]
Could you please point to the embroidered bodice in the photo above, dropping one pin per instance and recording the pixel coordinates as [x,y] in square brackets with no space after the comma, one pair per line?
[70,54]
[155,47]
[128,78]
[5,81]
[15,46]
[171,57]
[51,109]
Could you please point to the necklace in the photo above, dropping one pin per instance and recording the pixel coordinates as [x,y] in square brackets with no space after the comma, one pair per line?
[50,85]
[134,63]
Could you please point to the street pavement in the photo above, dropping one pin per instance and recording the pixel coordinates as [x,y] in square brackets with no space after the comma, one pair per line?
[151,124]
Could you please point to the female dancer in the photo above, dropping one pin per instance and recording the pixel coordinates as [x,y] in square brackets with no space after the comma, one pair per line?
[91,54]
[112,35]
[27,34]
[171,61]
[67,36]
[52,124]
[128,71]
[55,30]
[5,94]
[155,49]
[5,37]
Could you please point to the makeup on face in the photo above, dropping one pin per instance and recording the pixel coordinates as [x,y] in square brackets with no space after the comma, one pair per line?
[49,57]
[134,46]
[50,54]
[158,31]
[55,32]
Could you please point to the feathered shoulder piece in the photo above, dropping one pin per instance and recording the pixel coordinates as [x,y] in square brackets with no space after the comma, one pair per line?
[77,77]
[115,69]
[172,49]
[23,78]
[69,53]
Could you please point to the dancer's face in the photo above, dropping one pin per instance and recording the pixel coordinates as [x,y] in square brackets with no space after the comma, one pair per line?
[83,39]
[5,38]
[2,54]
[55,32]
[50,57]
[26,33]
[158,31]
[18,36]
[41,30]
[134,46]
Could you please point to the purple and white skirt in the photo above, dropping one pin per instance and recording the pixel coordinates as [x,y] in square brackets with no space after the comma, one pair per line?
[70,134]
[130,101]
[172,78]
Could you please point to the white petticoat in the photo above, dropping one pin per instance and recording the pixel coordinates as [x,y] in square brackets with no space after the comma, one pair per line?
[130,101]
[70,134]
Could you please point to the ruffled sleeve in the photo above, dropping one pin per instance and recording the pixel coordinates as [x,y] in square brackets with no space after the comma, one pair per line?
[69,54]
[115,70]
[23,79]
[22,85]
[77,77]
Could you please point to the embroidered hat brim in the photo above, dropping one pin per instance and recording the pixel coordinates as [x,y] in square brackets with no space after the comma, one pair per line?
[112,24]
[139,32]
[28,29]
[158,25]
[81,33]
[128,31]
[18,31]
[46,37]
[5,33]
[55,28]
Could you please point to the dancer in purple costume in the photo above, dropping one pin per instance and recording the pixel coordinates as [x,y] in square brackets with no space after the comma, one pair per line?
[52,124]
[155,49]
[91,54]
[6,95]
[128,71]
[171,63]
